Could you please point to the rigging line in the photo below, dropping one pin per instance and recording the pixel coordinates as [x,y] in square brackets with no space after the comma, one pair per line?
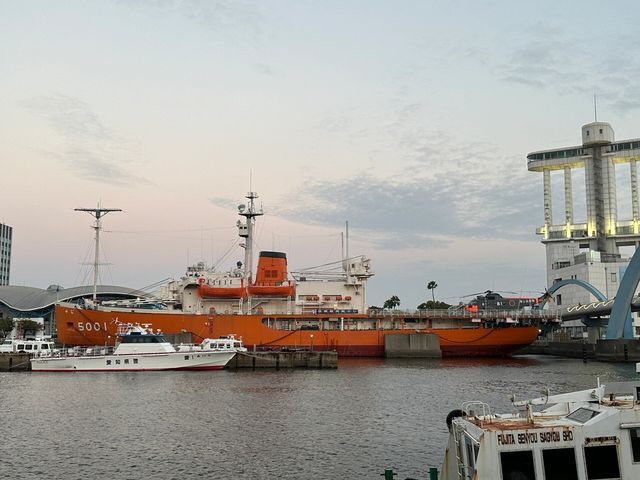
[81,270]
[165,236]
[306,236]
[143,290]
[335,264]
[226,254]
[172,230]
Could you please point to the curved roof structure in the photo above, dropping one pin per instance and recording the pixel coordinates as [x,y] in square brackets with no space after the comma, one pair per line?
[29,298]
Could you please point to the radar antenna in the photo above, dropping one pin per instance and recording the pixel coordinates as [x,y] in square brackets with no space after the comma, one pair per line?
[249,212]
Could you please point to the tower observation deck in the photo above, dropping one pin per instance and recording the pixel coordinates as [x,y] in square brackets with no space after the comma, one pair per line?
[598,155]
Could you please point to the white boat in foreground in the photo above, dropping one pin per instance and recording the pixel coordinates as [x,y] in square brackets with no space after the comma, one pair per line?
[584,435]
[139,348]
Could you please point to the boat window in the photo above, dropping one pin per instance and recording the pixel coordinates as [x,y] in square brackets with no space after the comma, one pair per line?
[20,346]
[471,454]
[560,464]
[28,347]
[44,346]
[635,443]
[602,462]
[7,342]
[517,465]
[186,357]
[582,415]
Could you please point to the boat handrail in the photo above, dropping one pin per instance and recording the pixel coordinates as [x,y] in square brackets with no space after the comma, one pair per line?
[94,351]
[476,408]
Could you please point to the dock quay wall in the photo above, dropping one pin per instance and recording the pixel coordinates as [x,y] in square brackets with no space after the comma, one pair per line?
[19,362]
[14,362]
[619,350]
[278,360]
[412,345]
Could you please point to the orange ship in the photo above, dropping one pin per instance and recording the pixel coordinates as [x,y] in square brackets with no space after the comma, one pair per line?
[321,308]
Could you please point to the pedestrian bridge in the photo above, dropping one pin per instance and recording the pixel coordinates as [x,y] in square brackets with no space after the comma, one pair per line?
[618,309]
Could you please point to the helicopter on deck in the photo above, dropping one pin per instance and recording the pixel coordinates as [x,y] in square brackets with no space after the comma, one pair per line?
[492,300]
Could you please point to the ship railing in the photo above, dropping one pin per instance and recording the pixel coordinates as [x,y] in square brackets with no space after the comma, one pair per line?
[514,315]
[94,351]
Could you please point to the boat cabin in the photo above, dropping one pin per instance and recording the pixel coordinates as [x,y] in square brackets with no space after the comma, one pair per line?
[136,339]
[15,345]
[586,435]
[223,344]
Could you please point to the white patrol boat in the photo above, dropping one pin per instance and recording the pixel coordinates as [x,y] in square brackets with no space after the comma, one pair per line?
[222,344]
[584,435]
[138,348]
[37,346]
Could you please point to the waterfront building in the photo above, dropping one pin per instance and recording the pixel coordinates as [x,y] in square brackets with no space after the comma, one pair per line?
[22,302]
[589,250]
[6,232]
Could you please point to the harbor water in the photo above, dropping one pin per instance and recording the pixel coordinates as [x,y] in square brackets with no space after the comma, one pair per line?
[353,422]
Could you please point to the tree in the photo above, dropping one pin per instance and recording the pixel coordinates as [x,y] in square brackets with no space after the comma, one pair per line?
[431,305]
[432,285]
[30,326]
[392,303]
[6,325]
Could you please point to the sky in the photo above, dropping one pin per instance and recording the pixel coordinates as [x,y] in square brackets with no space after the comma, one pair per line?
[411,120]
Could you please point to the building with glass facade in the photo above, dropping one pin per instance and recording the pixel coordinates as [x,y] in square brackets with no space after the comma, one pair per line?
[5,253]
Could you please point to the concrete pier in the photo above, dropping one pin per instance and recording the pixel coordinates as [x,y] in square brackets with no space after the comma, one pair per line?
[621,350]
[278,360]
[412,345]
[19,362]
[14,362]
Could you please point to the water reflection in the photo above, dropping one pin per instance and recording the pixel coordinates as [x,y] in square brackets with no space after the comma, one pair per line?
[352,422]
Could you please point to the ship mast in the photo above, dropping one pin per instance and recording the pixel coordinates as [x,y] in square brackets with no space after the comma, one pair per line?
[97,213]
[245,230]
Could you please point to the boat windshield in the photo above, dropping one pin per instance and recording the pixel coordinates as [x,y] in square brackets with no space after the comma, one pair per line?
[143,339]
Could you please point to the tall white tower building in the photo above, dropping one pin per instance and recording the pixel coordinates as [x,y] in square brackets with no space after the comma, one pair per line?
[589,251]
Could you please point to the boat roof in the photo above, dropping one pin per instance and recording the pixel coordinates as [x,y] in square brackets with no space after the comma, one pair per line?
[570,409]
[26,299]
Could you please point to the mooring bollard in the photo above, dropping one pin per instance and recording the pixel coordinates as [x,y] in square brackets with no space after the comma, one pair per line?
[433,473]
[388,474]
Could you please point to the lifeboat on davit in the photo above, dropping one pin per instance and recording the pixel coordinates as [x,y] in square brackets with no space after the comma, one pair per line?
[271,277]
[221,291]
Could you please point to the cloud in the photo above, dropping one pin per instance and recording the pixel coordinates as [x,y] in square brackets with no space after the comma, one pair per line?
[89,148]
[549,58]
[240,21]
[489,200]
[440,185]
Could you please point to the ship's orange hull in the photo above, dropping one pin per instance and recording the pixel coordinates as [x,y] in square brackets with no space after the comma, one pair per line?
[77,326]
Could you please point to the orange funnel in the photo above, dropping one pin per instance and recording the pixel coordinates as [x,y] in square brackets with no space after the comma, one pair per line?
[272,269]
